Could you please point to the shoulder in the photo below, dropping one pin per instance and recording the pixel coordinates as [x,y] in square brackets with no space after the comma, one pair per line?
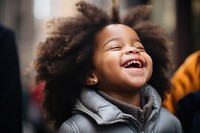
[4,31]
[78,123]
[168,122]
[7,39]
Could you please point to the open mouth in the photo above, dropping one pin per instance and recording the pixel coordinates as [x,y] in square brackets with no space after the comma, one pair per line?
[133,64]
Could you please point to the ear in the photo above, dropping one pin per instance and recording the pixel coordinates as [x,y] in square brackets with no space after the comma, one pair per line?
[92,79]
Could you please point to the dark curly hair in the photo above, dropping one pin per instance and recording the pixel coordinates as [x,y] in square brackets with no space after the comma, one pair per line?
[64,59]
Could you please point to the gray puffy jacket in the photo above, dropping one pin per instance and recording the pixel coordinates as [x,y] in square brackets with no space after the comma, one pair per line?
[94,114]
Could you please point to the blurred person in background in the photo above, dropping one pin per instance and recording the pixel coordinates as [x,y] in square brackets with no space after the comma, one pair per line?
[184,98]
[33,120]
[10,84]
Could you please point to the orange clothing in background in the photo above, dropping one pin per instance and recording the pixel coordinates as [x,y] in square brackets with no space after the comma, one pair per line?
[185,80]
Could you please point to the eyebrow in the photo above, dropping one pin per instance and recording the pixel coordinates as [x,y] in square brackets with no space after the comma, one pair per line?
[117,38]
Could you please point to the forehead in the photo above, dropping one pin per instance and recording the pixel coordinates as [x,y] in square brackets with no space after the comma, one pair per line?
[116,30]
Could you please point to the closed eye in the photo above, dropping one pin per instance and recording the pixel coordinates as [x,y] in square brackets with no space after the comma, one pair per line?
[142,49]
[115,48]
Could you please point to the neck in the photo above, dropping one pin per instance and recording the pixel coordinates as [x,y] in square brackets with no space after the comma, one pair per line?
[132,98]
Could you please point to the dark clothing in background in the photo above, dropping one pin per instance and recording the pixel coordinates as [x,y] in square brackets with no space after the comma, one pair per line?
[189,112]
[10,87]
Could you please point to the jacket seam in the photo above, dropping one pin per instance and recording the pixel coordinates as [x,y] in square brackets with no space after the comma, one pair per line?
[73,126]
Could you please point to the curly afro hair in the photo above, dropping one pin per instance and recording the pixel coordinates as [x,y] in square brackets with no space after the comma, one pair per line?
[64,59]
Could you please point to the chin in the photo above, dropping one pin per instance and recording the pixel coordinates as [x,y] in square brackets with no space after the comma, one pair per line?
[138,86]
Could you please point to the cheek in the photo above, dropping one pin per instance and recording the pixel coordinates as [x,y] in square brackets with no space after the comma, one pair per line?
[97,60]
[105,64]
[111,61]
[150,66]
[148,60]
[105,58]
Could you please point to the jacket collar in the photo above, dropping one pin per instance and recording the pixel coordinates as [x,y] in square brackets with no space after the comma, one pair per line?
[104,112]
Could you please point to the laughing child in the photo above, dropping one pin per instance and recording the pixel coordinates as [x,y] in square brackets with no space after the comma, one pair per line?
[104,73]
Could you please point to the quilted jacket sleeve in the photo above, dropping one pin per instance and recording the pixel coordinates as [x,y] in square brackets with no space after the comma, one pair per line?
[68,127]
[78,124]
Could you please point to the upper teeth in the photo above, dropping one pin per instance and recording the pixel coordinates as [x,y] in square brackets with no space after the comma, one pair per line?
[133,62]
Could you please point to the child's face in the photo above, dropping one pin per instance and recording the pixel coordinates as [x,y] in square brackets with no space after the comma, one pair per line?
[120,60]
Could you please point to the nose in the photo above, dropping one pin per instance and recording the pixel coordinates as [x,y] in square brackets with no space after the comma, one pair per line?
[132,50]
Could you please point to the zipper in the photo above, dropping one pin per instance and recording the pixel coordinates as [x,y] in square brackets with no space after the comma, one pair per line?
[142,118]
[134,125]
[142,115]
[150,121]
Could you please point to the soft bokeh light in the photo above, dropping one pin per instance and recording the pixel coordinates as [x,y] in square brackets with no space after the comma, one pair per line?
[42,9]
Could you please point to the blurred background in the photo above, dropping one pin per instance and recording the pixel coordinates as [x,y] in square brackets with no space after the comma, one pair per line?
[28,18]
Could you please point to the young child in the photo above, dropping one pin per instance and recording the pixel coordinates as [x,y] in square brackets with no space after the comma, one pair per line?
[99,76]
